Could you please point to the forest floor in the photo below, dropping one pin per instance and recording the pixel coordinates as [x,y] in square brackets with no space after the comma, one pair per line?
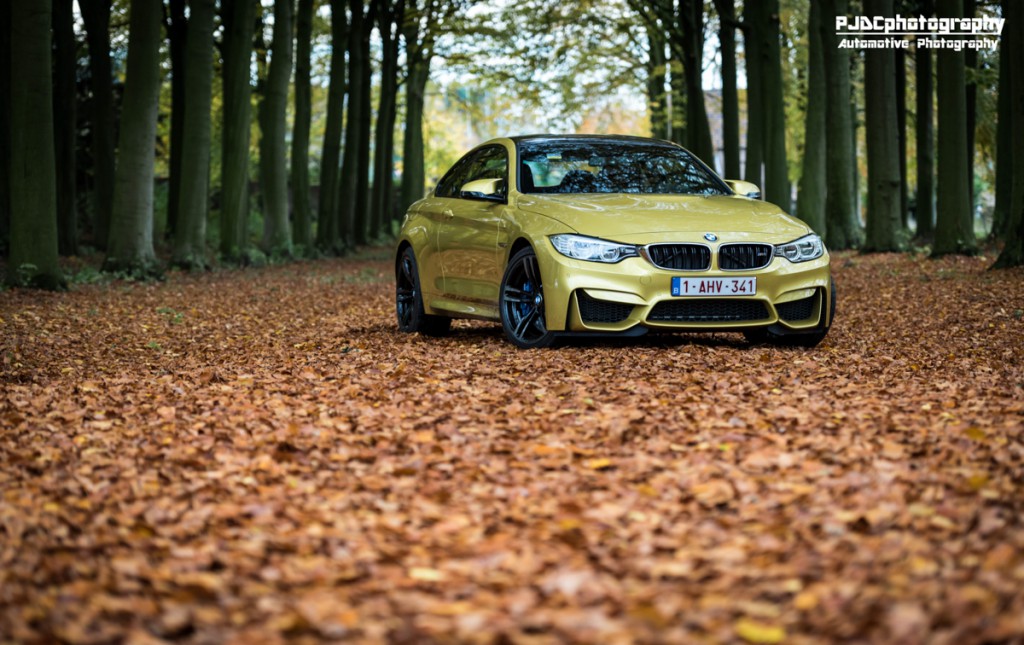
[259,456]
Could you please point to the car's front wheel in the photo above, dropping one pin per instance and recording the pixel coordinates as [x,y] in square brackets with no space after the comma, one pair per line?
[522,302]
[409,300]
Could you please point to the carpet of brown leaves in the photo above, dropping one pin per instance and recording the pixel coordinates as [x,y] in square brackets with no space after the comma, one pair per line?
[259,456]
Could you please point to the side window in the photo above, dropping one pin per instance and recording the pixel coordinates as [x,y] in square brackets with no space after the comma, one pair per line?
[489,163]
[450,183]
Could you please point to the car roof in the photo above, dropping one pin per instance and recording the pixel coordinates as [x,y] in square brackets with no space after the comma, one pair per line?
[593,137]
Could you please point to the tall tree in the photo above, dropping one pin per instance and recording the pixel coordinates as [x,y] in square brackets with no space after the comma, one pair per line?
[970,74]
[954,230]
[390,14]
[176,25]
[130,247]
[33,259]
[883,216]
[5,127]
[656,78]
[358,222]
[900,59]
[237,17]
[328,232]
[810,205]
[776,167]
[752,169]
[1013,32]
[683,24]
[425,20]
[842,225]
[354,181]
[730,96]
[64,124]
[194,156]
[277,234]
[96,19]
[1004,144]
[676,103]
[925,136]
[302,231]
[419,51]
[691,18]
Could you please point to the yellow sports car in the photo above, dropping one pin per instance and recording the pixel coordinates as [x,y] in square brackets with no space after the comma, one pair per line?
[561,236]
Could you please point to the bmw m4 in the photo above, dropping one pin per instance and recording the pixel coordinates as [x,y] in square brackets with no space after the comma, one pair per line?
[561,236]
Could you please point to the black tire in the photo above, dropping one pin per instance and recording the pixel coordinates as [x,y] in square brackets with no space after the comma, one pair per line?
[409,299]
[796,339]
[521,302]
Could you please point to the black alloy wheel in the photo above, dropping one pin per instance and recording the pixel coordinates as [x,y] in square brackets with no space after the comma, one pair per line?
[409,300]
[522,302]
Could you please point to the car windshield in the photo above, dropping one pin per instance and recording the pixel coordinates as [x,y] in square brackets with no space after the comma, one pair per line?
[604,166]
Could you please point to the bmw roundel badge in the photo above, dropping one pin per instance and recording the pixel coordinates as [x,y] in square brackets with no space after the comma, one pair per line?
[710,237]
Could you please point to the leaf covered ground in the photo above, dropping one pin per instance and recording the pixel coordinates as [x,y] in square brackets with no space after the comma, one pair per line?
[259,456]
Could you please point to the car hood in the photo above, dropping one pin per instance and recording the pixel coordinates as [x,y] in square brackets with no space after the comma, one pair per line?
[654,218]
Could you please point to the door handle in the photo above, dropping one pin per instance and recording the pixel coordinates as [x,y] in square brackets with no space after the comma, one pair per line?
[448,214]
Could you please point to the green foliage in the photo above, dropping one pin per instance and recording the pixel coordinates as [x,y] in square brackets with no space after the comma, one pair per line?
[173,317]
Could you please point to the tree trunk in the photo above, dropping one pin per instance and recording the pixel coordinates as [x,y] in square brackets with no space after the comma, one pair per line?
[970,74]
[33,260]
[352,182]
[389,19]
[883,216]
[177,35]
[901,132]
[301,224]
[1013,40]
[954,230]
[925,209]
[96,18]
[328,232]
[755,110]
[5,128]
[1004,145]
[237,17]
[277,234]
[64,125]
[842,228]
[691,18]
[130,247]
[194,157]
[810,205]
[413,179]
[776,167]
[656,76]
[677,101]
[730,97]
[360,223]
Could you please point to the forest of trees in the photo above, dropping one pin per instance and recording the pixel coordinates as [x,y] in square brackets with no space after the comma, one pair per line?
[82,129]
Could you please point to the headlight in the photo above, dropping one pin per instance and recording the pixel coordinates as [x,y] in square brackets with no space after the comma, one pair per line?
[808,247]
[580,247]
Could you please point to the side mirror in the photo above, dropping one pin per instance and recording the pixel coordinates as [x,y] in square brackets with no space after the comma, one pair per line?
[744,188]
[488,190]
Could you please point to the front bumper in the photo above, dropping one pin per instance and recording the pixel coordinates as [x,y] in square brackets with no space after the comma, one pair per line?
[594,297]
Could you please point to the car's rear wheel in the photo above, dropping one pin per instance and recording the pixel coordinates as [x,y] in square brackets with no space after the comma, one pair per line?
[796,339]
[522,302]
[409,300]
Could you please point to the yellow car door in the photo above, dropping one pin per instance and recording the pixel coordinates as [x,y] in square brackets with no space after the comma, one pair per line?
[469,233]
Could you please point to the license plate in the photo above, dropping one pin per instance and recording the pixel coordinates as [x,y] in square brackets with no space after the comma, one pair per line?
[714,286]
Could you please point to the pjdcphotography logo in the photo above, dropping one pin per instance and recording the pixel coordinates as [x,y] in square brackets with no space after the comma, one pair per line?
[898,32]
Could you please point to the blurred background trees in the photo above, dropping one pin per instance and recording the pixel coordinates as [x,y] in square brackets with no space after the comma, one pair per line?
[203,131]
